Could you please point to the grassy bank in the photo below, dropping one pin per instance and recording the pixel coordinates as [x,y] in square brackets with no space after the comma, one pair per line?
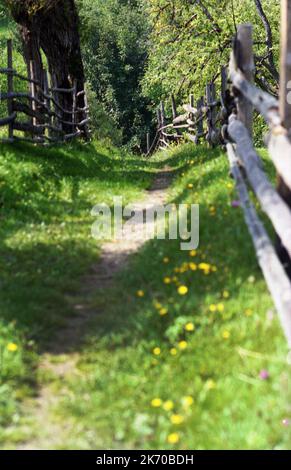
[186,350]
[202,370]
[46,196]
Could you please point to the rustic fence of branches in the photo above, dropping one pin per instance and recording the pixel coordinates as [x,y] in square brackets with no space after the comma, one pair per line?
[49,122]
[228,120]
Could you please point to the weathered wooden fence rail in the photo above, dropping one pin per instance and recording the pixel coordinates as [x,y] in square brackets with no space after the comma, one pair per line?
[190,125]
[49,122]
[228,120]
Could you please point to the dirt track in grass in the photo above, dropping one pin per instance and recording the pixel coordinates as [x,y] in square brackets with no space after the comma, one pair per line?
[43,429]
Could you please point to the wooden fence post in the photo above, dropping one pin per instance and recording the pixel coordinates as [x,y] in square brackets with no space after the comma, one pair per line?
[200,104]
[191,102]
[74,107]
[285,72]
[47,100]
[10,84]
[209,112]
[148,142]
[223,84]
[32,91]
[285,112]
[174,107]
[245,62]
[163,114]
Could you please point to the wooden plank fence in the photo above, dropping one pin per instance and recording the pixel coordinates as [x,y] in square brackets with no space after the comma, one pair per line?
[228,121]
[48,121]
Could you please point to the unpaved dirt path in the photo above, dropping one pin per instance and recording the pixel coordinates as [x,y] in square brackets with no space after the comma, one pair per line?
[60,360]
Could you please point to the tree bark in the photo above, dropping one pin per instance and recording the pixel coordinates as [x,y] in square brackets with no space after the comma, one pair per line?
[53,27]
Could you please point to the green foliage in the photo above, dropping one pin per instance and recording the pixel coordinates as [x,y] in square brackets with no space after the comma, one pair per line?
[188,45]
[114,50]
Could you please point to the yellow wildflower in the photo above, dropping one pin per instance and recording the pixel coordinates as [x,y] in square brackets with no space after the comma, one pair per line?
[167,280]
[183,290]
[156,402]
[168,405]
[225,294]
[177,419]
[189,326]
[183,345]
[166,260]
[212,308]
[157,351]
[193,253]
[140,293]
[187,401]
[12,347]
[226,334]
[220,307]
[163,311]
[193,266]
[173,438]
[204,266]
[157,305]
[173,351]
[190,186]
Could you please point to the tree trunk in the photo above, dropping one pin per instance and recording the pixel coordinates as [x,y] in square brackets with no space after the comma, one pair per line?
[52,27]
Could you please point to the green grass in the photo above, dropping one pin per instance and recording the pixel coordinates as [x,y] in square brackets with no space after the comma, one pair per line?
[110,399]
[46,196]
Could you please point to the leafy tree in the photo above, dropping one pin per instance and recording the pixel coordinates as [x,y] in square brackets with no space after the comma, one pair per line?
[191,39]
[115,45]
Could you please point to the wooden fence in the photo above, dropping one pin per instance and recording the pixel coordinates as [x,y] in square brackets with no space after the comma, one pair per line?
[229,121]
[204,120]
[48,121]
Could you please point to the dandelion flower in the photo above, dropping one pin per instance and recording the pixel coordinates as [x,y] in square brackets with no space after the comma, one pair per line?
[187,401]
[140,293]
[225,294]
[193,253]
[157,305]
[189,326]
[183,345]
[157,351]
[168,405]
[12,347]
[173,438]
[220,307]
[204,266]
[193,266]
[167,280]
[212,308]
[156,403]
[177,419]
[190,186]
[163,311]
[226,334]
[183,290]
[166,260]
[173,352]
